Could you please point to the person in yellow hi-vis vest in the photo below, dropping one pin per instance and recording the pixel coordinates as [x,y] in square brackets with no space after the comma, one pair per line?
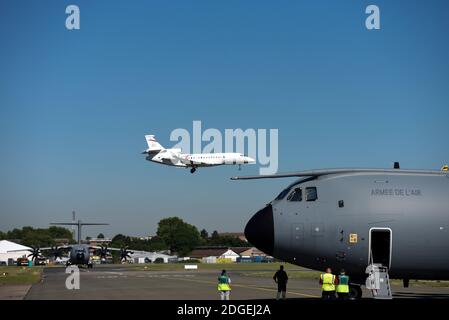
[343,285]
[328,282]
[224,285]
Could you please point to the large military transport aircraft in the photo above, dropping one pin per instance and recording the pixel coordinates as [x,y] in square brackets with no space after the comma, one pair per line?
[174,157]
[79,253]
[352,218]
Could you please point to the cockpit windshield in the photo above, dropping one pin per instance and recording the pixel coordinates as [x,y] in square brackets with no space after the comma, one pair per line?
[286,191]
[283,193]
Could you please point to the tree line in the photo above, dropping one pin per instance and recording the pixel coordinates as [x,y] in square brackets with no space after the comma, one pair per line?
[179,237]
[172,234]
[42,237]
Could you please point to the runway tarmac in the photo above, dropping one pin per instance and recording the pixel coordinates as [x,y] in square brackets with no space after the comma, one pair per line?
[118,282]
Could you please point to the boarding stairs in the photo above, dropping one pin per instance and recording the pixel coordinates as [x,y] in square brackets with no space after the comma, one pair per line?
[378,281]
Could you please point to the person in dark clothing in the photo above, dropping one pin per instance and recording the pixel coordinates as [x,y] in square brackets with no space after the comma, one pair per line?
[281,278]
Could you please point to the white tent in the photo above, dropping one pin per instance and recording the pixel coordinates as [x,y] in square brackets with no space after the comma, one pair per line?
[7,246]
[147,257]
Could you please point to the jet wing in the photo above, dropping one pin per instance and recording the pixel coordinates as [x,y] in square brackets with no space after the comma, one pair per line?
[76,223]
[99,247]
[116,249]
[41,249]
[59,247]
[185,160]
[322,172]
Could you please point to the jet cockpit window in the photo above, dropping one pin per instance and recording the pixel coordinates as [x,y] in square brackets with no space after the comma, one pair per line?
[295,195]
[283,193]
[311,194]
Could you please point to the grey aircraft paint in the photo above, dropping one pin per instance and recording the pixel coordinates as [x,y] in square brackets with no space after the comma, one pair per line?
[79,253]
[404,213]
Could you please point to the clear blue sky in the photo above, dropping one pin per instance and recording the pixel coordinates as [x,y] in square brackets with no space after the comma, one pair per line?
[74,105]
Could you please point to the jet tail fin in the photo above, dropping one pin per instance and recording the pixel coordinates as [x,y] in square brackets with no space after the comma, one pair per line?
[153,145]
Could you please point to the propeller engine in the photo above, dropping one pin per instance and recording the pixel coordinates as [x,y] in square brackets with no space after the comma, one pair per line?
[103,252]
[35,254]
[125,254]
[56,252]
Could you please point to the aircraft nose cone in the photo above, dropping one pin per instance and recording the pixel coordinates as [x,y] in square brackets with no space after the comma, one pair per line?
[250,160]
[259,230]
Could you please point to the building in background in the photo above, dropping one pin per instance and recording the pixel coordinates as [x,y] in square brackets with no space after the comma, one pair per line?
[98,241]
[214,255]
[229,254]
[151,257]
[249,252]
[237,235]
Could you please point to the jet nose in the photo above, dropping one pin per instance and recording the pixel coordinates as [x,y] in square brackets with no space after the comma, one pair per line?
[259,230]
[249,160]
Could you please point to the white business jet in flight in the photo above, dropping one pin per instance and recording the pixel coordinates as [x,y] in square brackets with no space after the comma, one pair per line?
[174,157]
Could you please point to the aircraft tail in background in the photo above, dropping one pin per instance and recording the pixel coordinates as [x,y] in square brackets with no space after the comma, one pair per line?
[153,145]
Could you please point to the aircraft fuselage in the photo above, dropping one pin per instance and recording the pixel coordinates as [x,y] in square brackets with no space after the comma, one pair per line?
[340,220]
[171,158]
[79,255]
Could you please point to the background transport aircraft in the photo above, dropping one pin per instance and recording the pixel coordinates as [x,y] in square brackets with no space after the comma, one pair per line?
[174,157]
[352,218]
[79,253]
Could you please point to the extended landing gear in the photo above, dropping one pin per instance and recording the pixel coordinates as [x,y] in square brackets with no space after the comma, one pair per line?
[355,292]
[192,170]
[406,282]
